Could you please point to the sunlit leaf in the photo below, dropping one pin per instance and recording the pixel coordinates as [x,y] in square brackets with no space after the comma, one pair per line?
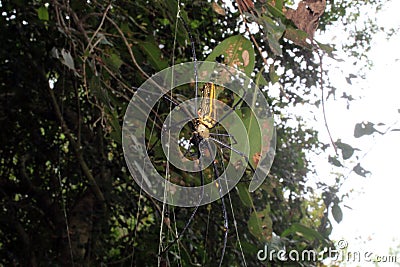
[279,4]
[237,52]
[43,13]
[275,8]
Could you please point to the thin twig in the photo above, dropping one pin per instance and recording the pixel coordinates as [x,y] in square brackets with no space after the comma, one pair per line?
[321,84]
[96,189]
[258,46]
[97,30]
[128,46]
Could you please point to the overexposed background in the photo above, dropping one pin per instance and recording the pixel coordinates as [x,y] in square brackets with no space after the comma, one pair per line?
[373,222]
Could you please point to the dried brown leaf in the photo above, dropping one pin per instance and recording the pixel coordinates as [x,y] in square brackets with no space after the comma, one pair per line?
[307,15]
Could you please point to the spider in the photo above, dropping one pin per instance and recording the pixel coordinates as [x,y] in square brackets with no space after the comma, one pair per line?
[207,120]
[205,149]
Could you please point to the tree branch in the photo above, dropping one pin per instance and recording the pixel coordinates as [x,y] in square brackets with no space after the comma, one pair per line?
[93,184]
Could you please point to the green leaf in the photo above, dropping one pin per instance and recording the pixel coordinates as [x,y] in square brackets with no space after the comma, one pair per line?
[260,80]
[98,91]
[328,49]
[154,54]
[249,248]
[360,170]
[260,224]
[347,150]
[364,128]
[238,52]
[279,4]
[337,213]
[116,134]
[253,130]
[273,75]
[276,10]
[298,37]
[244,194]
[275,30]
[114,62]
[304,231]
[43,13]
[334,161]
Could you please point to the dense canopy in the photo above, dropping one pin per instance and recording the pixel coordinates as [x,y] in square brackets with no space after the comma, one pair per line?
[68,71]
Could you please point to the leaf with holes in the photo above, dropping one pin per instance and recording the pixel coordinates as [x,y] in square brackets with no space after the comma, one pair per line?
[364,128]
[360,170]
[260,224]
[237,52]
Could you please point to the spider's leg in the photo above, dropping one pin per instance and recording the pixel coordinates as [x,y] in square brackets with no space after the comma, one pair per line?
[225,214]
[225,135]
[231,110]
[190,219]
[234,150]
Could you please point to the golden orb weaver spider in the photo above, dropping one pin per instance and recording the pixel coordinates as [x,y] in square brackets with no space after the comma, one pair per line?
[205,135]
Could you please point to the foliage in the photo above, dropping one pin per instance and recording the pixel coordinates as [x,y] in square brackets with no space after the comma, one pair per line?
[68,71]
